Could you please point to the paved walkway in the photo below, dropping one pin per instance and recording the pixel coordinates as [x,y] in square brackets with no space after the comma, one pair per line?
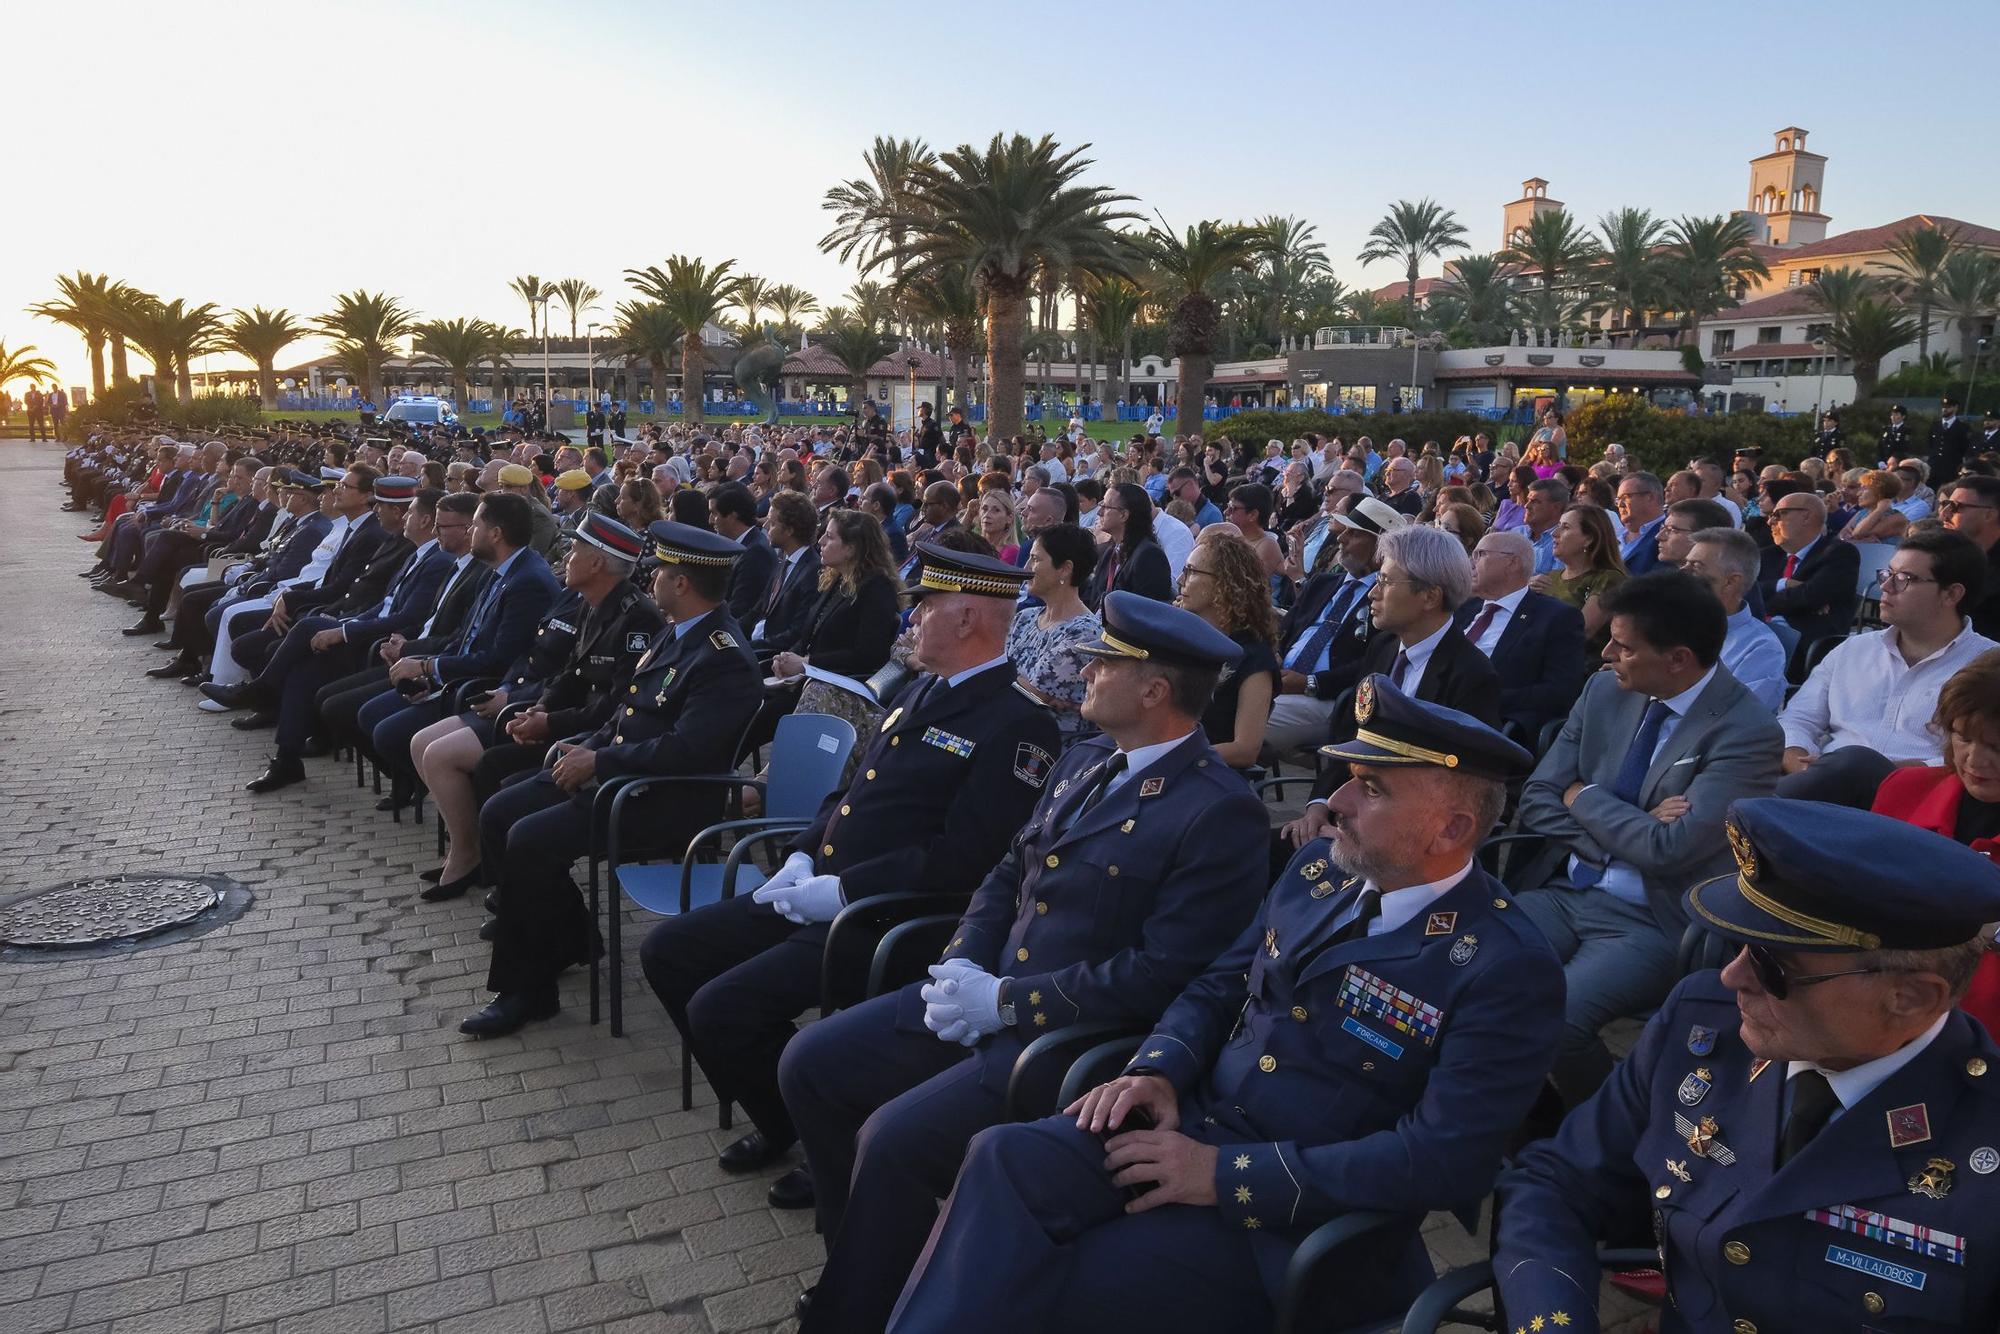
[276,1126]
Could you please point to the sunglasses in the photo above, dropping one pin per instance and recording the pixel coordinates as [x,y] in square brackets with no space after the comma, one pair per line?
[1778,981]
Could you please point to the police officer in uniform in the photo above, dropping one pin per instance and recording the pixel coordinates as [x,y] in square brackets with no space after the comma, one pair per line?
[954,771]
[1127,880]
[1812,1134]
[1950,435]
[1828,437]
[1896,442]
[690,699]
[1367,1043]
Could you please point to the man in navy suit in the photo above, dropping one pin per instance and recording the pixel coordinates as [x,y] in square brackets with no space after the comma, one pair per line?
[1810,576]
[1535,641]
[196,622]
[1808,1136]
[1127,880]
[781,617]
[733,513]
[1642,506]
[1368,1043]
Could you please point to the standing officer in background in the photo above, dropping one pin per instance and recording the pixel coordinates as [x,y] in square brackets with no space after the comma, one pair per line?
[1368,1043]
[690,699]
[951,776]
[1809,1136]
[1950,434]
[1128,879]
[1895,442]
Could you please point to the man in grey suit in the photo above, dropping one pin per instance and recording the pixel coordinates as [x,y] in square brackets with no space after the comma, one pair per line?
[1632,798]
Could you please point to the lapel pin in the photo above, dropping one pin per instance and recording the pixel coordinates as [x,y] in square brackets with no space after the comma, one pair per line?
[1680,1170]
[1933,1180]
[1701,1040]
[1463,950]
[1441,924]
[1152,787]
[1909,1125]
[1695,1087]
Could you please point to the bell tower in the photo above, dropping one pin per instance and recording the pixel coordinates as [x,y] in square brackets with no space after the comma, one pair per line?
[1786,190]
[1534,201]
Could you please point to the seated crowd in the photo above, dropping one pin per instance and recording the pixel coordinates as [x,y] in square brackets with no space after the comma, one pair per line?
[1068,665]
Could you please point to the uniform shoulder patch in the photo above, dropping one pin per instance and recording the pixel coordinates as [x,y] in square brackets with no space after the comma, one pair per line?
[1032,764]
[637,641]
[722,639]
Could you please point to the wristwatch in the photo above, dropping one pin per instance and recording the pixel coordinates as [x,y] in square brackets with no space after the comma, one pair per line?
[1006,1005]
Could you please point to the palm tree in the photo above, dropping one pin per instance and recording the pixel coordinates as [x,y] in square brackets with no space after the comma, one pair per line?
[503,341]
[695,296]
[1412,233]
[124,304]
[1321,302]
[1708,261]
[1289,261]
[870,214]
[261,335]
[1006,214]
[1870,331]
[1557,253]
[873,304]
[1630,269]
[368,325]
[576,296]
[1917,257]
[752,295]
[22,364]
[1839,291]
[791,305]
[1110,308]
[857,346]
[1192,269]
[1477,299]
[172,334]
[950,300]
[1968,290]
[533,291]
[458,346]
[89,304]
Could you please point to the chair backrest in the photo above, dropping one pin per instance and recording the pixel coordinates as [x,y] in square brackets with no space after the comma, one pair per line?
[1874,559]
[808,753]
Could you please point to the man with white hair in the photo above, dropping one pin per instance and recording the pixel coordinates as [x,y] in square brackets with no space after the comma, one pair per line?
[1727,560]
[1534,641]
[1399,485]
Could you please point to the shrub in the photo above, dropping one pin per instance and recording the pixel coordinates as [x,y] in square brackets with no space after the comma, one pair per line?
[1661,442]
[119,405]
[1380,427]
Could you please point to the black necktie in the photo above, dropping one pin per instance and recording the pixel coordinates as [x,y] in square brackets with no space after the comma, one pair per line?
[1112,768]
[1367,907]
[1813,1104]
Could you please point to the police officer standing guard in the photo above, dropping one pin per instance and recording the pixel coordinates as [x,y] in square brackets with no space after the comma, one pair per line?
[1368,1043]
[690,699]
[1895,442]
[1814,1132]
[1129,877]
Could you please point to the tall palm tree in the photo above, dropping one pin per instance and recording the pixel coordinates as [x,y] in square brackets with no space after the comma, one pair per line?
[1917,257]
[1869,331]
[857,346]
[752,295]
[1839,291]
[533,291]
[22,364]
[88,303]
[1630,268]
[1006,213]
[1558,254]
[1321,302]
[871,212]
[1289,260]
[261,335]
[1191,271]
[368,325]
[1411,233]
[576,296]
[1968,290]
[503,341]
[1478,299]
[1708,260]
[695,295]
[459,346]
[1110,308]
[791,305]
[123,304]
[950,300]
[873,304]
[172,334]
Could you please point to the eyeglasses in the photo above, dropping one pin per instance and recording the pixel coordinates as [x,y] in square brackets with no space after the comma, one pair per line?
[1783,510]
[1187,570]
[1895,581]
[1778,981]
[1954,506]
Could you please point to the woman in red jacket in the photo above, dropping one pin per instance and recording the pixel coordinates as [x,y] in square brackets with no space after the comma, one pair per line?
[1961,798]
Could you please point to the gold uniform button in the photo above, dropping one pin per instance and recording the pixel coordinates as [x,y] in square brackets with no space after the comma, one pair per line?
[1976,1066]
[871,774]
[895,741]
[1201,764]
[1661,1192]
[631,690]
[1111,870]
[845,809]
[1299,1013]
[1041,909]
[1872,1303]
[618,740]
[1744,1327]
[1052,861]
[1499,903]
[1267,1063]
[1736,1253]
[1021,955]
[826,851]
[629,711]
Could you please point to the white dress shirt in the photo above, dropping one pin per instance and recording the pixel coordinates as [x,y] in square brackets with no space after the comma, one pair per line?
[1400,905]
[458,572]
[322,557]
[1857,1082]
[1755,656]
[1174,538]
[1801,553]
[1419,655]
[1509,604]
[1135,760]
[1865,694]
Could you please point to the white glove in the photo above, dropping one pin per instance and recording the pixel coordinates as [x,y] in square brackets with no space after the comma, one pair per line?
[798,868]
[814,900]
[962,1004]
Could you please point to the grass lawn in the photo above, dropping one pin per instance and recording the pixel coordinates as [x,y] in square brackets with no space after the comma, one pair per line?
[1098,430]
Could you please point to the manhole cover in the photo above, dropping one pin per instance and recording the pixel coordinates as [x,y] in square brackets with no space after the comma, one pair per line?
[118,909]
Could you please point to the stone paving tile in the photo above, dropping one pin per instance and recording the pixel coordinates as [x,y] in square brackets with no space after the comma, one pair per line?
[274,1128]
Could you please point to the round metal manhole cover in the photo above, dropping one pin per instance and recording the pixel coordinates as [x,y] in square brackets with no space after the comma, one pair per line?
[109,911]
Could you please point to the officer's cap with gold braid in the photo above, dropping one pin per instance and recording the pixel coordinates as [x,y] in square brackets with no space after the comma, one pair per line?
[1393,729]
[948,571]
[1137,627]
[684,544]
[1817,878]
[610,536]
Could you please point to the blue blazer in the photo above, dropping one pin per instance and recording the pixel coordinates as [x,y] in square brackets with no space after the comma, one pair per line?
[1646,552]
[411,598]
[1539,660]
[297,549]
[526,592]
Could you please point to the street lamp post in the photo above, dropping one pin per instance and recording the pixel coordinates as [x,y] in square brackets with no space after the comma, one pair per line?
[590,356]
[548,399]
[915,361]
[1978,347]
[1819,398]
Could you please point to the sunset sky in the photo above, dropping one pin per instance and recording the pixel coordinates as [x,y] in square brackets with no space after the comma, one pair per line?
[277,153]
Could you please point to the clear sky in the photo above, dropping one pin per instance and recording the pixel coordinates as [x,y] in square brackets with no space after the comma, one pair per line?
[278,152]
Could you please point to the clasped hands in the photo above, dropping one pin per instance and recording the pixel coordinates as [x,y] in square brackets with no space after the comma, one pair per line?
[797,895]
[961,1002]
[1180,1170]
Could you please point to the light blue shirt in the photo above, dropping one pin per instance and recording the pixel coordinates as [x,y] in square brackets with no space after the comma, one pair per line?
[1621,879]
[1545,550]
[1756,657]
[1631,544]
[1344,600]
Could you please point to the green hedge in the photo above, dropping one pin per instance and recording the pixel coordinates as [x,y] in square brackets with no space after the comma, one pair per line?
[1661,442]
[119,405]
[1413,427]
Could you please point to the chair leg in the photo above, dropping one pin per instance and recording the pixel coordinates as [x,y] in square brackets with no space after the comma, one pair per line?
[360,775]
[687,1078]
[378,778]
[724,1113]
[614,953]
[592,859]
[441,838]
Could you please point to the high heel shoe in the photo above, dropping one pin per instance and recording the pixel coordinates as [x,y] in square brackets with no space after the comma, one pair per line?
[451,889]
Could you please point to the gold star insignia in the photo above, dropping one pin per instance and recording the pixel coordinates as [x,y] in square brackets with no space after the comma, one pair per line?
[1536,1325]
[1156,1053]
[1034,998]
[1041,1020]
[1243,1195]
[1242,1162]
[1559,1318]
[1252,1223]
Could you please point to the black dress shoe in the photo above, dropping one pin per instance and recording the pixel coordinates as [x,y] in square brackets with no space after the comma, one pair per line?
[395,801]
[805,1302]
[450,889]
[166,643]
[279,774]
[151,625]
[197,677]
[489,930]
[94,571]
[432,876]
[168,671]
[256,722]
[793,1190]
[510,1012]
[117,588]
[316,748]
[240,696]
[492,901]
[751,1153]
